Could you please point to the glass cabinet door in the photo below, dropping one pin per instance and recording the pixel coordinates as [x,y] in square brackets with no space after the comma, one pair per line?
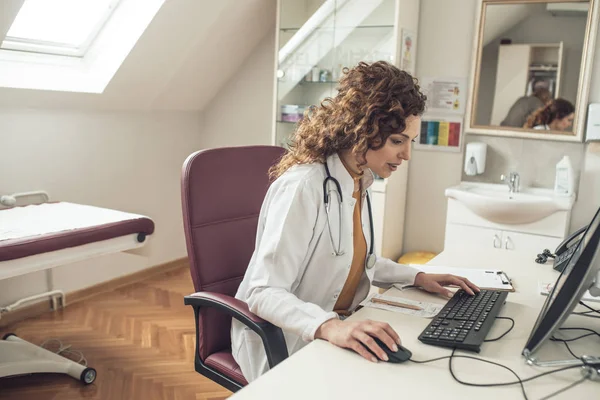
[317,39]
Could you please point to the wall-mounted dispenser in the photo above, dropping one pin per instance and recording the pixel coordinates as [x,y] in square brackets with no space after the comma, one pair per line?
[475,154]
[593,124]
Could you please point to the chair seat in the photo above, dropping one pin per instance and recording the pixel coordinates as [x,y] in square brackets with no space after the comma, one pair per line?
[223,362]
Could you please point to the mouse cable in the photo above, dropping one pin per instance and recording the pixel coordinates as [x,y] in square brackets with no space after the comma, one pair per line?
[505,333]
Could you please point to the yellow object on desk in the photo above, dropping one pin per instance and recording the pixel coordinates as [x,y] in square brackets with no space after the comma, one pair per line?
[413,257]
[416,257]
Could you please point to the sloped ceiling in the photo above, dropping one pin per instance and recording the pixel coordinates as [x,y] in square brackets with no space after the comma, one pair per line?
[189,51]
[501,17]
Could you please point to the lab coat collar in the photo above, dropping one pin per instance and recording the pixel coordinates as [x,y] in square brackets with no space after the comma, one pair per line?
[339,172]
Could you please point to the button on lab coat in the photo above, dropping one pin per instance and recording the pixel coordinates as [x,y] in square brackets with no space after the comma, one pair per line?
[294,278]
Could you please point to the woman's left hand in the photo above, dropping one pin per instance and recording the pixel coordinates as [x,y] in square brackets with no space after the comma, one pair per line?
[434,283]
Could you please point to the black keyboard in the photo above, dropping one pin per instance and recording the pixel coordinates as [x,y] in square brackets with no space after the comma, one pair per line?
[465,320]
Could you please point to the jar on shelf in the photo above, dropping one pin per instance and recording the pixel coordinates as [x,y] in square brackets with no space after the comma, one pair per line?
[289,113]
[325,75]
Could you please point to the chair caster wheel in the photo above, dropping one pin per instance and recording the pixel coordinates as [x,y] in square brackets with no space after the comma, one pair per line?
[88,376]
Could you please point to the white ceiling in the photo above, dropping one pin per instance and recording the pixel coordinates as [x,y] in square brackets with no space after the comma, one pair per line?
[191,49]
[501,17]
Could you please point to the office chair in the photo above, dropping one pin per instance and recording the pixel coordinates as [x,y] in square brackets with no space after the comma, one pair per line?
[222,193]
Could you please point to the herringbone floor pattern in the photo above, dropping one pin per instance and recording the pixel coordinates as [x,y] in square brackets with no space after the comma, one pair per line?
[139,338]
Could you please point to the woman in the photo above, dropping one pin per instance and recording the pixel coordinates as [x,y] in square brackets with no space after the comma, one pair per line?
[313,264]
[524,106]
[557,116]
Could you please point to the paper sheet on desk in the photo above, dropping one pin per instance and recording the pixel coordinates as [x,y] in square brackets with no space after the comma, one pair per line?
[429,310]
[545,288]
[493,279]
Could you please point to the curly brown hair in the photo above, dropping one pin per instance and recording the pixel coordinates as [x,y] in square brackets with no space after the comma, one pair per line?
[373,101]
[556,109]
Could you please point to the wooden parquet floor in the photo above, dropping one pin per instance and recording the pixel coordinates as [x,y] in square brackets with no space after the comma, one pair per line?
[139,338]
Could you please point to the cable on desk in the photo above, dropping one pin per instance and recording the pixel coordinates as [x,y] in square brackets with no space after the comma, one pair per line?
[518,381]
[565,341]
[586,313]
[566,388]
[505,333]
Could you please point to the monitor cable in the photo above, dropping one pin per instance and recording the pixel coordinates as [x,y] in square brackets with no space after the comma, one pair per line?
[587,313]
[518,381]
[591,332]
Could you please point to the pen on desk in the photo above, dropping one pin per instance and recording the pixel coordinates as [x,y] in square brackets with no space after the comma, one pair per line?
[393,303]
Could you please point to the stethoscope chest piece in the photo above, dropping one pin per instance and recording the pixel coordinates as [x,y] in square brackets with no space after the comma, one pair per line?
[370,261]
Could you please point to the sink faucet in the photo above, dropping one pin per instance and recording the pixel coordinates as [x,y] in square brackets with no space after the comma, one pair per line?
[512,181]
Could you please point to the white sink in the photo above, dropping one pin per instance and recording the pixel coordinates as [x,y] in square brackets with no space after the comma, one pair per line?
[494,202]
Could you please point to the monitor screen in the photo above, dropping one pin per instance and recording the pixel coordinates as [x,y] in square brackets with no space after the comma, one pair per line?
[571,285]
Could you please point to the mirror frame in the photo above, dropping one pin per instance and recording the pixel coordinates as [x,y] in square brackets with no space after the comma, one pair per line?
[581,105]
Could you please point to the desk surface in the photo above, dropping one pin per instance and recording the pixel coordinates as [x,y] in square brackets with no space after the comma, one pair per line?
[324,371]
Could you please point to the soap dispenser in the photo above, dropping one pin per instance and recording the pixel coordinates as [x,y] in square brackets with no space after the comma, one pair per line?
[475,154]
[564,183]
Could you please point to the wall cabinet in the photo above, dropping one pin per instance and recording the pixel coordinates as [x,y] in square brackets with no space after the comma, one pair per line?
[315,40]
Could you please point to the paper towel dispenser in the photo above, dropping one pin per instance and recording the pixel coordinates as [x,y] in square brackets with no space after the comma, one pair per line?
[593,124]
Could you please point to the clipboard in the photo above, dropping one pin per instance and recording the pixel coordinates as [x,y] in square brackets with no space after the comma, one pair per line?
[489,279]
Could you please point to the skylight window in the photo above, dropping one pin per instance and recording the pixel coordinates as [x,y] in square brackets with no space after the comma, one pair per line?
[61,27]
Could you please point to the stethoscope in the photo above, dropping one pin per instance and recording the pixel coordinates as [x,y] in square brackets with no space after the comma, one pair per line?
[337,250]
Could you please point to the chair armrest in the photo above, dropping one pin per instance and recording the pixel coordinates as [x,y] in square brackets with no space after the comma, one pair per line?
[271,335]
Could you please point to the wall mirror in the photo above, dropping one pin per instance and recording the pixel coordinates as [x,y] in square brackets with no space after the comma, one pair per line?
[531,68]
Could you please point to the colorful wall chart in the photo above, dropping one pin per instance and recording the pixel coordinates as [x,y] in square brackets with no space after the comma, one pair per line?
[442,133]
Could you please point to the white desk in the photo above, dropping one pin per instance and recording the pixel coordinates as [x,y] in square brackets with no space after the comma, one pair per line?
[324,371]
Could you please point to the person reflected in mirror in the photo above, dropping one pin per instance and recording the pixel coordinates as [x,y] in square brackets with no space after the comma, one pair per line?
[557,115]
[525,105]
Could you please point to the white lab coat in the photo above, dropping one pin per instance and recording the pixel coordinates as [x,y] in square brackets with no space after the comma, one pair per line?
[294,279]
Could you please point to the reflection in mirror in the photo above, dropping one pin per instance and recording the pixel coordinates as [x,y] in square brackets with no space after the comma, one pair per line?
[529,66]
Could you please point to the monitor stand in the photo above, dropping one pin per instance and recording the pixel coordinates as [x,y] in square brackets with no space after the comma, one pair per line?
[590,365]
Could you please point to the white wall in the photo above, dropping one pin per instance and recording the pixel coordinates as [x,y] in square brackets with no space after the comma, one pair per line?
[439,53]
[130,161]
[444,49]
[588,197]
[242,114]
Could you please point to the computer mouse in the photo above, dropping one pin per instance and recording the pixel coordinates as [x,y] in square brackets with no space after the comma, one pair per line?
[396,357]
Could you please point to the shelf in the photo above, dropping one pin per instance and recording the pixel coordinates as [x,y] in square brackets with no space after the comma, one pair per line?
[340,27]
[326,82]
[286,122]
[543,68]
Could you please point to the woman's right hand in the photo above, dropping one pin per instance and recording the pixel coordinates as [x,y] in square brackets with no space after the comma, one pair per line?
[356,335]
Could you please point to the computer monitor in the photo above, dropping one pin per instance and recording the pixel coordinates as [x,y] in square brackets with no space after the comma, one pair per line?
[579,275]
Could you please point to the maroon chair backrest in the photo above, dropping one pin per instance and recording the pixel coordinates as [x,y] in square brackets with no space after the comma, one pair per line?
[222,192]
